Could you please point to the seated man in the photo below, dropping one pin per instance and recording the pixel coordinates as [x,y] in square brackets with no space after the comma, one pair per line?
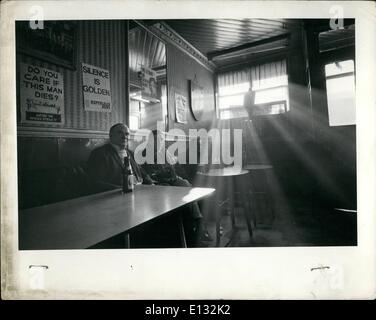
[105,167]
[105,164]
[162,171]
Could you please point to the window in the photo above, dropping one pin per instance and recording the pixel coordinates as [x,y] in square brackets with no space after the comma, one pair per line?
[134,122]
[143,113]
[272,96]
[231,99]
[340,91]
[269,85]
[134,114]
[164,103]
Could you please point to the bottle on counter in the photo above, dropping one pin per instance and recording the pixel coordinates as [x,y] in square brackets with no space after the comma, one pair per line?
[128,179]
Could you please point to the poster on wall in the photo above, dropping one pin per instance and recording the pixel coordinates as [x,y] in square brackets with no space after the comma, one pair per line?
[96,88]
[148,79]
[41,95]
[180,108]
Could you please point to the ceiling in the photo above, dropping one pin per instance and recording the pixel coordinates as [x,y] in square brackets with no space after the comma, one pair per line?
[334,39]
[229,42]
[145,50]
[211,35]
[214,37]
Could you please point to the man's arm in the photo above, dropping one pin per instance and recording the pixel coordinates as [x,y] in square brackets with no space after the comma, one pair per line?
[145,177]
[139,171]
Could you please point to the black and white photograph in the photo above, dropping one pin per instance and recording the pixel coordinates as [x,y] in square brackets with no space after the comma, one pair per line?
[198,136]
[286,85]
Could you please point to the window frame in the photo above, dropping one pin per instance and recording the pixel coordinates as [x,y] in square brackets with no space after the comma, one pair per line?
[339,56]
[248,66]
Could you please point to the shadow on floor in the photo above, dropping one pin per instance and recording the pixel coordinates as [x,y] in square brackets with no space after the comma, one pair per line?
[301,225]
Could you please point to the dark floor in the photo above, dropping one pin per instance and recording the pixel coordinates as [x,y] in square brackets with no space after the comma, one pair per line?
[301,225]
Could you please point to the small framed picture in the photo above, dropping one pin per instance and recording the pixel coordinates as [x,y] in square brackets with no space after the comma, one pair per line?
[180,108]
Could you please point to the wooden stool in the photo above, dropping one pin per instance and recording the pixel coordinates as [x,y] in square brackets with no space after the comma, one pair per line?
[227,181]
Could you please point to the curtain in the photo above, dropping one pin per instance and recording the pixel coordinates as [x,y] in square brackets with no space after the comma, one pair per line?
[258,75]
[268,70]
[233,78]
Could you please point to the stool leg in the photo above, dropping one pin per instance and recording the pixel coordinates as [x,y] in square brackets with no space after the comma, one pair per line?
[218,229]
[231,191]
[127,241]
[183,241]
[252,205]
[218,208]
[246,211]
[270,197]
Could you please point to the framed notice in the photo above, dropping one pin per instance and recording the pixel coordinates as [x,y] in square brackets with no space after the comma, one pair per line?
[55,42]
[180,108]
[197,99]
[41,95]
[148,78]
[96,88]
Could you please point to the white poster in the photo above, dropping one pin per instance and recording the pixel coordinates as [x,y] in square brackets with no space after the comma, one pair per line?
[96,88]
[181,108]
[41,95]
[148,82]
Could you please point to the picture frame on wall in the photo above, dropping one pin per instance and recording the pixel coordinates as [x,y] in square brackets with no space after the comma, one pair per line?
[180,108]
[54,43]
[196,99]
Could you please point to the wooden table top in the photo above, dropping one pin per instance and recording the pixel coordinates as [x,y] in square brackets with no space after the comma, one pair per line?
[225,172]
[258,166]
[82,222]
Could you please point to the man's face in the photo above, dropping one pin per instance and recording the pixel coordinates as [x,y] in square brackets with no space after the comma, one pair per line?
[119,136]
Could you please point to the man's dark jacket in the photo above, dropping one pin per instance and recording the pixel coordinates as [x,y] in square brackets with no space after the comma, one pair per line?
[105,169]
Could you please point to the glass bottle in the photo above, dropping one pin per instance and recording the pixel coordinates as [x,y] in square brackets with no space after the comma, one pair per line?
[128,184]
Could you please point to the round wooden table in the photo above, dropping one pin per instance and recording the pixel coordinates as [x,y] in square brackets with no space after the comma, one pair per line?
[258,166]
[225,172]
[227,180]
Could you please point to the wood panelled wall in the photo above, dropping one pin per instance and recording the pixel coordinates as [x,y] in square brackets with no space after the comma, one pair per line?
[45,150]
[102,44]
[180,69]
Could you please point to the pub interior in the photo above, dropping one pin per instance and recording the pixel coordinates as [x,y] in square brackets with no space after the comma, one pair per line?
[284,89]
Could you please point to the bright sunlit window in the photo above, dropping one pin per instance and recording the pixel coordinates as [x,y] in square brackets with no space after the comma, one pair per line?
[340,91]
[231,100]
[134,114]
[269,84]
[134,122]
[271,95]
